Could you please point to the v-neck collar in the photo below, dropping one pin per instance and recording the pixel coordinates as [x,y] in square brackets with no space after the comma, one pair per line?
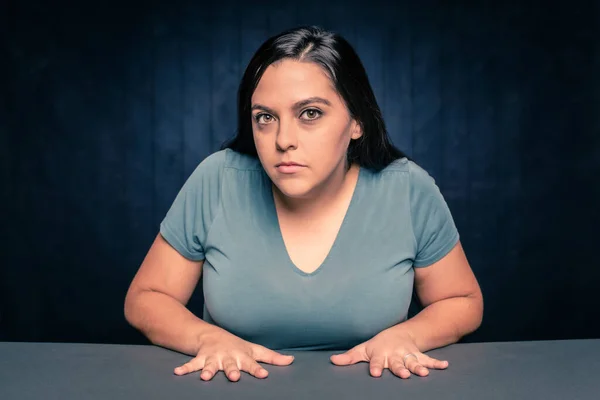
[280,243]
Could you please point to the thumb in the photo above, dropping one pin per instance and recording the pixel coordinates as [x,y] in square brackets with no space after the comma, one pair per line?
[269,356]
[350,357]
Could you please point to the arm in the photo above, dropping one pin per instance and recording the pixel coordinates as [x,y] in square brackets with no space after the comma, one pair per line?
[155,303]
[452,301]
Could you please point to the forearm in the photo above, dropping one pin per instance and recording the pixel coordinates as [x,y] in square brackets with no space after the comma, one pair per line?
[443,322]
[165,321]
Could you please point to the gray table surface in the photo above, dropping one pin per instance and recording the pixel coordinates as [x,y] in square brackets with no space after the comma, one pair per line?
[567,369]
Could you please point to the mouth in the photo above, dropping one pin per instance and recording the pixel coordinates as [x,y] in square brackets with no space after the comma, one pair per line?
[289,167]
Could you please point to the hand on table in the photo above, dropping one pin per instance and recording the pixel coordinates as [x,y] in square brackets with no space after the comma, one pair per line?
[390,350]
[223,351]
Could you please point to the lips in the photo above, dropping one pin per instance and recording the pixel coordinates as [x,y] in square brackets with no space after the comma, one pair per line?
[289,167]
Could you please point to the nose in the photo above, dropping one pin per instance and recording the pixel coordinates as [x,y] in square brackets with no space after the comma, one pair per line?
[287,137]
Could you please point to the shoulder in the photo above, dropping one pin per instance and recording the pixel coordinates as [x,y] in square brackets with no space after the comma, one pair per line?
[228,158]
[241,162]
[409,173]
[212,168]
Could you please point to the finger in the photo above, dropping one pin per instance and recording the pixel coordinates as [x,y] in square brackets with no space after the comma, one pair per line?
[262,354]
[231,369]
[195,364]
[211,367]
[352,356]
[434,363]
[254,368]
[396,366]
[377,364]
[414,365]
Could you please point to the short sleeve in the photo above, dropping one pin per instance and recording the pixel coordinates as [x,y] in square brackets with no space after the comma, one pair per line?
[187,222]
[433,225]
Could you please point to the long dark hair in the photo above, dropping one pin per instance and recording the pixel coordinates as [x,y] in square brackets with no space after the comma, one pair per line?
[373,150]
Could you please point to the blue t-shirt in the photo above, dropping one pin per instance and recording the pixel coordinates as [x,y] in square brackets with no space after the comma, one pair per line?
[225,214]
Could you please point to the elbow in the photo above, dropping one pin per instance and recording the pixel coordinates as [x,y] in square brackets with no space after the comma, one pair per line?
[130,307]
[475,310]
[472,316]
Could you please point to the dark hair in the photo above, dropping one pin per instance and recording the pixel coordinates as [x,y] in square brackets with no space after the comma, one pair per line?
[373,150]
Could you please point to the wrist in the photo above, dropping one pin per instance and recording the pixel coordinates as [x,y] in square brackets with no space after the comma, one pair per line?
[202,332]
[405,330]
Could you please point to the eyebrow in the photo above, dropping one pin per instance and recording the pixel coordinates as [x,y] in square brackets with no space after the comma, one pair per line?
[296,106]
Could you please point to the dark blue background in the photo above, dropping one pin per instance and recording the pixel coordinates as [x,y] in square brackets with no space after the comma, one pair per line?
[106,108]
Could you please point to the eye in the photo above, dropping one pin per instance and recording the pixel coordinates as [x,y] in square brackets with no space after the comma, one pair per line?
[312,114]
[266,118]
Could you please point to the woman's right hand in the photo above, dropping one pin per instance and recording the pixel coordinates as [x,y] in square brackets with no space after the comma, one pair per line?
[223,351]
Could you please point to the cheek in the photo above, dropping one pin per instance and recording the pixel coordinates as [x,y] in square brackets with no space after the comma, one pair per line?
[332,141]
[264,147]
[259,139]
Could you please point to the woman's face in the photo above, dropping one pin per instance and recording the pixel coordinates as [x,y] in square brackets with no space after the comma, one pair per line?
[299,118]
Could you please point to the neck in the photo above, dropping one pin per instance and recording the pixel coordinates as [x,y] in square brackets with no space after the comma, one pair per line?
[323,197]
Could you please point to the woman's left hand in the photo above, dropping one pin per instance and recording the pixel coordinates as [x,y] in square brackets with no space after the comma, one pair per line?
[393,350]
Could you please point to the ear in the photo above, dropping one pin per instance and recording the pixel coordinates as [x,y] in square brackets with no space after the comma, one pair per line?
[357,131]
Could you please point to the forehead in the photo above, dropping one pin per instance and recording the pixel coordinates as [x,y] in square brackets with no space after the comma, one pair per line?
[290,80]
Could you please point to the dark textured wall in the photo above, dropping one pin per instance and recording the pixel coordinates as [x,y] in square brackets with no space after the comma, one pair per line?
[105,109]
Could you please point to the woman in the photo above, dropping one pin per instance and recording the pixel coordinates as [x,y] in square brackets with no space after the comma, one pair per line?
[309,230]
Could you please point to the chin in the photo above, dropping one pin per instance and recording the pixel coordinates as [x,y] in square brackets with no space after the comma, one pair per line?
[293,188]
